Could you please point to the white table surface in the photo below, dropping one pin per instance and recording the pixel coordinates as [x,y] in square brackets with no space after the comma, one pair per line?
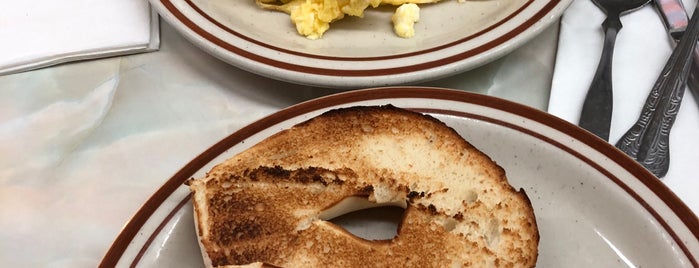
[83,145]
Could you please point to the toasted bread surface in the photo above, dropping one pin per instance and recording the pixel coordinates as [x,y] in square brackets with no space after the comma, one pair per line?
[266,205]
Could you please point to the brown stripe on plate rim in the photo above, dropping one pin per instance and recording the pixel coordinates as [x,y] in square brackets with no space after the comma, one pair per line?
[158,229]
[678,207]
[357,73]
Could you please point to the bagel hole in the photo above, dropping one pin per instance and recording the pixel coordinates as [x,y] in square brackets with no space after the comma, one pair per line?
[378,223]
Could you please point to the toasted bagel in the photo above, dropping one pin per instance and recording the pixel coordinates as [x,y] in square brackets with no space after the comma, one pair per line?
[270,203]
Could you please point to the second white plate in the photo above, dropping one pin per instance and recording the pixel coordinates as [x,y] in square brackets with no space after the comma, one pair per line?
[451,37]
[595,207]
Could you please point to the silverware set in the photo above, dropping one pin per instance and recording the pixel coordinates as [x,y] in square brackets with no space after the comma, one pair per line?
[647,141]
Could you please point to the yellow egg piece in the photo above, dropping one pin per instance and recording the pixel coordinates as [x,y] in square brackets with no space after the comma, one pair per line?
[404,20]
[313,17]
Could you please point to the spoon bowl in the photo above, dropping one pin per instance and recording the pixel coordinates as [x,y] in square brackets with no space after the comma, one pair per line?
[620,6]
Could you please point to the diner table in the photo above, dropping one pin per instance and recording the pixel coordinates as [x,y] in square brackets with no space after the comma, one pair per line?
[84,144]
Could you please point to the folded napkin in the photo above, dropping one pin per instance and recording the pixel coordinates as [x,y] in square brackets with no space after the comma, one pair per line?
[641,51]
[39,33]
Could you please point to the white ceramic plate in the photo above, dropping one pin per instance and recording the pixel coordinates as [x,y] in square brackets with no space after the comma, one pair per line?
[360,52]
[594,206]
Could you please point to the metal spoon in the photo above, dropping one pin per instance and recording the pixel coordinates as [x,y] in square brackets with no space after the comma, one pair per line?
[647,141]
[596,113]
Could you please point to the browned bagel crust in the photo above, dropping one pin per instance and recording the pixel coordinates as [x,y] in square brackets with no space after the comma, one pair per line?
[263,205]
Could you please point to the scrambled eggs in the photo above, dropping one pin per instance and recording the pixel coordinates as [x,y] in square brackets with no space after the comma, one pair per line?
[404,19]
[313,17]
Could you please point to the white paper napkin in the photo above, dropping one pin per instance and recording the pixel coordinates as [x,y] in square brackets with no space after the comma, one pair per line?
[641,51]
[39,33]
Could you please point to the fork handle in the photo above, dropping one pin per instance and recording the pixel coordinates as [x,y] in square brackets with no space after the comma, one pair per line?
[648,140]
[596,114]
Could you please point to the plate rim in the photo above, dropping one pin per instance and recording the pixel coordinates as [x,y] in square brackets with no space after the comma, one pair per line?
[656,186]
[400,74]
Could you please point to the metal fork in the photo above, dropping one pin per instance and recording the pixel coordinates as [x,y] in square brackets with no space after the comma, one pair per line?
[647,141]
